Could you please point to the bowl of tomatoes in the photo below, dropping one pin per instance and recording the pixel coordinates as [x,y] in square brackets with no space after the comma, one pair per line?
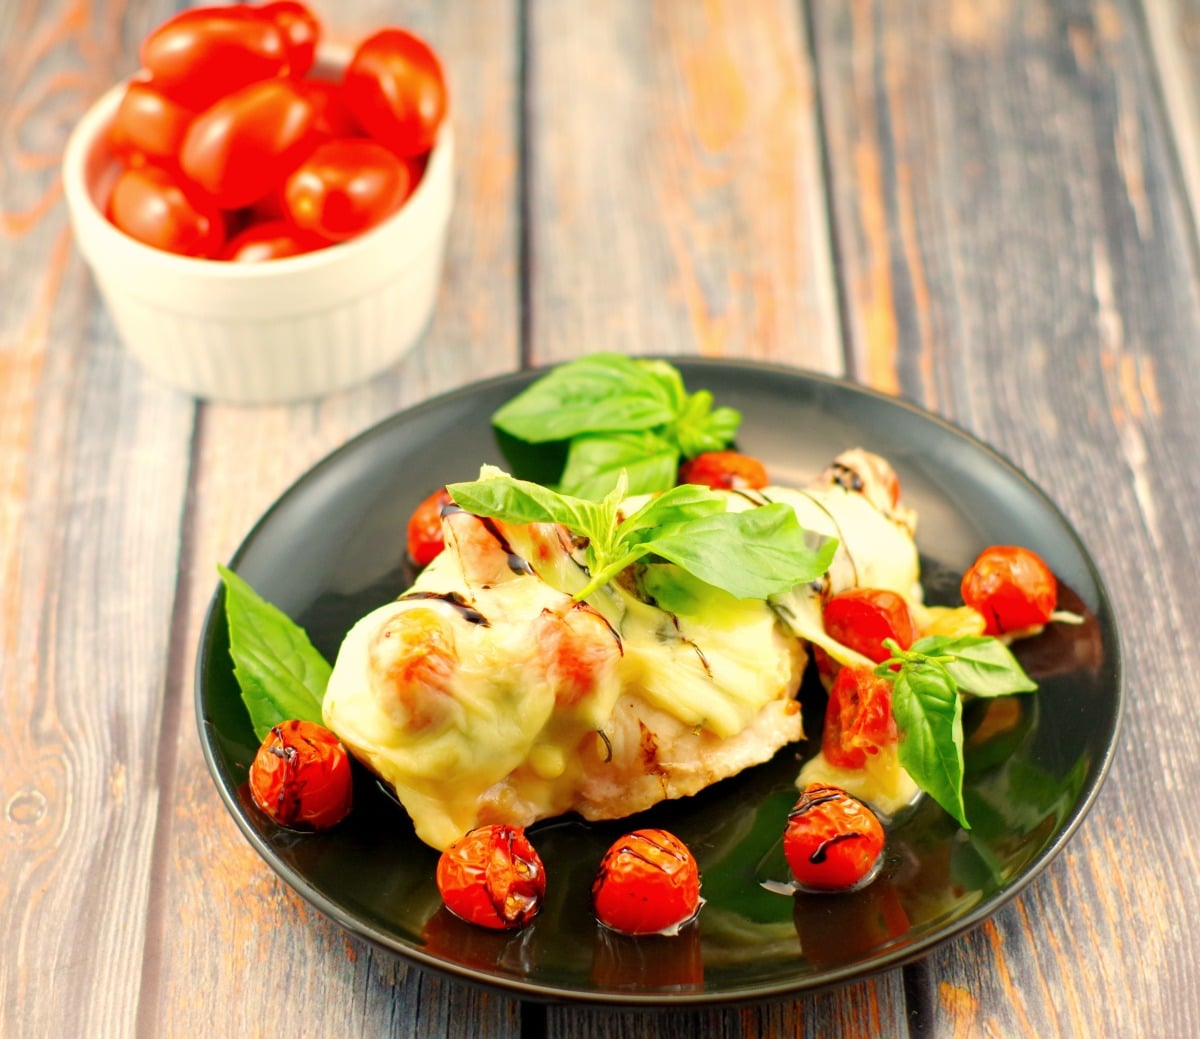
[265,212]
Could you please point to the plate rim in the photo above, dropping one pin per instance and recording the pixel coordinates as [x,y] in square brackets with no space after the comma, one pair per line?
[903,953]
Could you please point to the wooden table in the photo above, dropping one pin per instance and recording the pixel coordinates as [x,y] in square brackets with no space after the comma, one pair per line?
[988,208]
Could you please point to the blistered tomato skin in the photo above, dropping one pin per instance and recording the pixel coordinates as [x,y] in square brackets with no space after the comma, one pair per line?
[301,776]
[832,841]
[148,126]
[396,89]
[648,883]
[206,53]
[245,144]
[858,718]
[861,618]
[345,187]
[425,539]
[492,877]
[301,31]
[1012,587]
[153,206]
[724,470]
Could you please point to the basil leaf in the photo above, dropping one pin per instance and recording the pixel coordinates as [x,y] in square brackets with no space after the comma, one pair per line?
[981,665]
[928,712]
[280,673]
[519,501]
[751,554]
[698,428]
[595,461]
[594,394]
[682,504]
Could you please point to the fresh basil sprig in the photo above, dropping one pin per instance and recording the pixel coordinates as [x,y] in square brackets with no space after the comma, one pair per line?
[927,681]
[281,674]
[618,413]
[750,554]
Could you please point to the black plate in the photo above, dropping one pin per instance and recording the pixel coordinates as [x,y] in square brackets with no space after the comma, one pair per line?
[332,548]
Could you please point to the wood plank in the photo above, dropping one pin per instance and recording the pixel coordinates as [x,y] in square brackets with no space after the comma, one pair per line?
[1017,255]
[676,197]
[265,957]
[93,462]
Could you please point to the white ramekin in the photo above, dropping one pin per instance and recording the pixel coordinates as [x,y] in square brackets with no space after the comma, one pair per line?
[257,333]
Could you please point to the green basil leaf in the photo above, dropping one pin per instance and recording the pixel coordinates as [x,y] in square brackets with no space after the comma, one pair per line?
[752,554]
[595,394]
[698,428]
[669,380]
[281,674]
[928,713]
[681,504]
[595,461]
[519,501]
[982,665]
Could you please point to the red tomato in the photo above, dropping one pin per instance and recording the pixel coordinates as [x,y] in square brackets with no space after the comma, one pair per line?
[425,539]
[395,87]
[648,883]
[728,470]
[300,29]
[205,53]
[858,718]
[248,142]
[272,240]
[1012,587]
[151,205]
[861,618]
[148,125]
[832,841]
[333,118]
[492,877]
[344,187]
[301,776]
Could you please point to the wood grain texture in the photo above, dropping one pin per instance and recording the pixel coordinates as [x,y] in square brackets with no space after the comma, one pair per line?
[1016,254]
[676,202]
[270,963]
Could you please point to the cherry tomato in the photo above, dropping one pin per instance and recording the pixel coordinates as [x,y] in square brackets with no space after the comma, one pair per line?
[247,142]
[493,877]
[832,841]
[203,54]
[301,776]
[395,87]
[300,29]
[858,718]
[425,541]
[1012,587]
[148,126]
[648,883]
[333,118]
[344,187]
[729,470]
[861,618]
[153,206]
[272,240]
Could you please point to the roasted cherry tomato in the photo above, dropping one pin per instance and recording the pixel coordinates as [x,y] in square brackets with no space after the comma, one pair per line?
[153,206]
[648,883]
[273,240]
[301,776]
[300,29]
[149,126]
[344,187]
[206,53]
[1012,587]
[729,470]
[858,718]
[493,877]
[395,87]
[832,841]
[425,539]
[333,118]
[247,142]
[861,618]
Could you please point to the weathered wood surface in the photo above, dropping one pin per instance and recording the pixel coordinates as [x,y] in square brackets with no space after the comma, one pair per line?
[983,207]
